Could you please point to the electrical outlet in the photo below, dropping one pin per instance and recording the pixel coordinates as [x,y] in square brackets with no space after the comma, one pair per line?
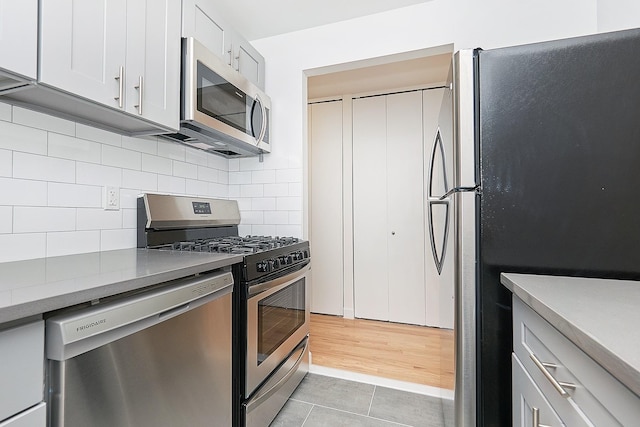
[111,198]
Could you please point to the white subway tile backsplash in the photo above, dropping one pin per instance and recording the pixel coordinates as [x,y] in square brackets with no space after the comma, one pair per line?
[67,147]
[218,190]
[207,174]
[74,195]
[197,188]
[186,170]
[121,158]
[72,242]
[251,164]
[295,217]
[129,198]
[6,163]
[144,181]
[239,177]
[5,112]
[295,189]
[196,157]
[171,184]
[171,150]
[263,204]
[289,203]
[234,165]
[289,175]
[118,239]
[263,230]
[234,191]
[244,229]
[98,135]
[98,219]
[6,219]
[223,177]
[43,121]
[252,190]
[263,177]
[22,138]
[42,219]
[147,145]
[276,217]
[244,204]
[92,174]
[22,192]
[276,190]
[252,217]
[129,218]
[156,164]
[15,247]
[43,168]
[219,162]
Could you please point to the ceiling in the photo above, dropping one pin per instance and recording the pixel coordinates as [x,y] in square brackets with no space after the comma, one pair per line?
[266,18]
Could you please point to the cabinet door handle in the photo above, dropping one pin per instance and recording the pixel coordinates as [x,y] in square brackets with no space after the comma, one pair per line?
[237,63]
[139,87]
[120,78]
[558,385]
[536,418]
[230,57]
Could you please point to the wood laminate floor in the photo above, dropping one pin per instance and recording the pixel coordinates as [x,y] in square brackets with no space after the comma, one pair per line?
[402,352]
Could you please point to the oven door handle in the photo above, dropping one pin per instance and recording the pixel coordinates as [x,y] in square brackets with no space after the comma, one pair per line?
[278,283]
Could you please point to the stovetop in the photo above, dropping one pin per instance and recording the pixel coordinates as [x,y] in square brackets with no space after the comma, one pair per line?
[230,244]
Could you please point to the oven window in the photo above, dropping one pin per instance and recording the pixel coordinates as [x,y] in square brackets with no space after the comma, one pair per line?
[279,316]
[220,99]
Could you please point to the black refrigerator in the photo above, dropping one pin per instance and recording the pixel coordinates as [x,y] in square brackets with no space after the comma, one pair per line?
[534,169]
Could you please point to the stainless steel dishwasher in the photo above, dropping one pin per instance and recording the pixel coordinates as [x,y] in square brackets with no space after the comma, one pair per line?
[155,358]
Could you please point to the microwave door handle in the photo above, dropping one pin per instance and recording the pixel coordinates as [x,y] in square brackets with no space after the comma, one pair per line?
[263,128]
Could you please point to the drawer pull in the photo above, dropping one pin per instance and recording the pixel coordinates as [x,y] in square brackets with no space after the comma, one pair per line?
[536,418]
[559,386]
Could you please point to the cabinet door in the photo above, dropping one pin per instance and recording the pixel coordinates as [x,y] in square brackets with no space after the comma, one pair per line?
[152,82]
[370,235]
[529,404]
[405,207]
[325,136]
[82,47]
[201,21]
[248,61]
[19,37]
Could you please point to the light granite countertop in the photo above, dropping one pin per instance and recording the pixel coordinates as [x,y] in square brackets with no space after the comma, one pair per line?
[33,287]
[600,316]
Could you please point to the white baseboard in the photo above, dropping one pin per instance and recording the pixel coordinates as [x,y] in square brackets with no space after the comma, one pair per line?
[383,382]
[348,313]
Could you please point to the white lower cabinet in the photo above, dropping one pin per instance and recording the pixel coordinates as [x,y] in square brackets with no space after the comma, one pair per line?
[530,408]
[21,373]
[578,389]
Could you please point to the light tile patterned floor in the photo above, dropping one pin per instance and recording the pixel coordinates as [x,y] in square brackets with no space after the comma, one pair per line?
[322,401]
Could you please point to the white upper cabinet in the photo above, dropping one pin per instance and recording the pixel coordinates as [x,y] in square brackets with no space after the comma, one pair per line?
[201,21]
[124,54]
[18,42]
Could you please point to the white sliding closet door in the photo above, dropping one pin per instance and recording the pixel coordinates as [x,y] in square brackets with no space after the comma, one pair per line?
[388,208]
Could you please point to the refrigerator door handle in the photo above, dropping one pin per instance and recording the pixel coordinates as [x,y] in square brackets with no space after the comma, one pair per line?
[459,190]
[435,200]
[438,255]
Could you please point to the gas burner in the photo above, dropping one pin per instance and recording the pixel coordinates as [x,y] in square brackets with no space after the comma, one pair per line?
[230,244]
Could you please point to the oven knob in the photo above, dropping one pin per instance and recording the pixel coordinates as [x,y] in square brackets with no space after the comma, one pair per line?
[276,263]
[272,265]
[297,256]
[262,267]
[285,259]
[305,254]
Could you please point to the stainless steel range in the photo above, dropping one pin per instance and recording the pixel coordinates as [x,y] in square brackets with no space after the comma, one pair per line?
[271,301]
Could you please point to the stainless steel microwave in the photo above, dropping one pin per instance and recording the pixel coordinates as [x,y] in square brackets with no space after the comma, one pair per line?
[221,111]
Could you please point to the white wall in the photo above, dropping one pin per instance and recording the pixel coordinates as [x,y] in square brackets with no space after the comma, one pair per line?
[465,23]
[52,174]
[618,15]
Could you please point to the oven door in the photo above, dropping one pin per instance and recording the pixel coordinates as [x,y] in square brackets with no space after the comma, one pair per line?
[277,322]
